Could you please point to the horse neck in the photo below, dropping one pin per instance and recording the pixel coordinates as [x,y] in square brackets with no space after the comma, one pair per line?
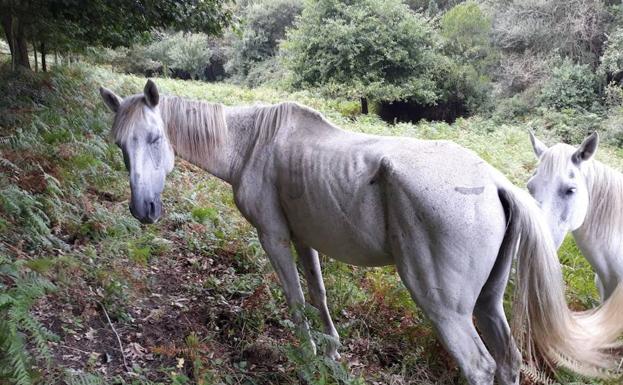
[603,219]
[198,132]
[222,140]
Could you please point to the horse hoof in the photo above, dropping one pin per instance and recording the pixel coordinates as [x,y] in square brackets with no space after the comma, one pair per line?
[334,355]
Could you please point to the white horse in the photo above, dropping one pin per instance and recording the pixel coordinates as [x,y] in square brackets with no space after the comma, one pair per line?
[449,222]
[584,196]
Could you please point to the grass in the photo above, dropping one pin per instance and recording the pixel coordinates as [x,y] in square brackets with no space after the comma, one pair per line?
[193,299]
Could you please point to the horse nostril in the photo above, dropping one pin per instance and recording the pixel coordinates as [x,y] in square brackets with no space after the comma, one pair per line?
[152,209]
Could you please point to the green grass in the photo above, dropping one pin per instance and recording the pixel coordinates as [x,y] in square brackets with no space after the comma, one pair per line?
[193,298]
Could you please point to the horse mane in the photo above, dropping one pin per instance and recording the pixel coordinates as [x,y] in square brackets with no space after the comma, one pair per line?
[194,128]
[605,188]
[271,119]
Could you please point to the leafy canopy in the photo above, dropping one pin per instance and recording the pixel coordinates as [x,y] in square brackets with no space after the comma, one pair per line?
[364,48]
[71,25]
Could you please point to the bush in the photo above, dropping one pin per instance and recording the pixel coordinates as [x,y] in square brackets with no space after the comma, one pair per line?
[518,106]
[369,49]
[518,72]
[569,125]
[570,86]
[612,128]
[612,59]
[573,28]
[264,25]
[467,29]
[462,86]
[187,55]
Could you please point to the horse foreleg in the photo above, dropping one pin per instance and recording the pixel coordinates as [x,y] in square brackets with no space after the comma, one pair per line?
[317,293]
[277,246]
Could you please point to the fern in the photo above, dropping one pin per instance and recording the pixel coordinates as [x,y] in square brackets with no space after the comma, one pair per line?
[19,289]
[84,379]
[8,164]
[536,376]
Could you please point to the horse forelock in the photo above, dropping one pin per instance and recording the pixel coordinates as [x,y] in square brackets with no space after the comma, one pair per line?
[131,111]
[556,160]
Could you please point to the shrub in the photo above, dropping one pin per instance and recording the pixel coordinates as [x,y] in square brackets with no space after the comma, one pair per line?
[516,107]
[612,128]
[252,52]
[518,72]
[569,125]
[367,49]
[185,54]
[570,86]
[467,29]
[612,58]
[574,28]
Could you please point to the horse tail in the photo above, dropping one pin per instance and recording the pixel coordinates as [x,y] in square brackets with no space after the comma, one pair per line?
[542,323]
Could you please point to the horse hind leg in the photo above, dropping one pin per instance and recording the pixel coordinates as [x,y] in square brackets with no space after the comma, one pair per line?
[317,294]
[459,336]
[492,323]
[452,317]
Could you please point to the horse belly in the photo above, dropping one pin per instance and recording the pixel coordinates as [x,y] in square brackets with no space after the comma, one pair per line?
[350,231]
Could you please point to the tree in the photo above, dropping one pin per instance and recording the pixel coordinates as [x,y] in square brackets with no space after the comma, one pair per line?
[467,29]
[364,49]
[264,26]
[72,25]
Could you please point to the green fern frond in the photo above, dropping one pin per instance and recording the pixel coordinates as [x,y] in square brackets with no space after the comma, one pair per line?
[84,379]
[17,323]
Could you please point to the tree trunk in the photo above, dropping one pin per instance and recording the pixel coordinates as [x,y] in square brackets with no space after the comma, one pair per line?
[7,26]
[34,51]
[44,66]
[19,38]
[364,106]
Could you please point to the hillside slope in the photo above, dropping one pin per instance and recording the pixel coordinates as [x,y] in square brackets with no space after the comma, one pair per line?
[101,299]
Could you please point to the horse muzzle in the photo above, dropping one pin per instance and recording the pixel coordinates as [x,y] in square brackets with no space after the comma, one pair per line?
[147,211]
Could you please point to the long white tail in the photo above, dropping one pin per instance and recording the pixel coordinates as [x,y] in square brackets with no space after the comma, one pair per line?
[542,322]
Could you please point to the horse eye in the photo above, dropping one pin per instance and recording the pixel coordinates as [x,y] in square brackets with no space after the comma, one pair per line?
[570,191]
[156,140]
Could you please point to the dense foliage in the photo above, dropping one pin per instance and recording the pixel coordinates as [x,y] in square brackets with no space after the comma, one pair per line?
[72,25]
[367,49]
[253,51]
[570,86]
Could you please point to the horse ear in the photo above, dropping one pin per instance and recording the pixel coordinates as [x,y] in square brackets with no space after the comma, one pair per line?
[538,146]
[587,149]
[111,99]
[151,94]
